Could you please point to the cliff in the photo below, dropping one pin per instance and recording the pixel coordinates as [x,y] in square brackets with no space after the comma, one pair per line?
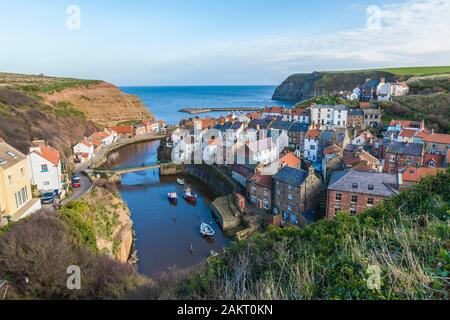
[61,110]
[300,87]
[103,220]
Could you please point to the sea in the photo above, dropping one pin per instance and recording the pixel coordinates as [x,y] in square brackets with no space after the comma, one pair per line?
[164,102]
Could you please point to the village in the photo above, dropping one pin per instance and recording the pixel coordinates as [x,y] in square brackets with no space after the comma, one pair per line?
[333,158]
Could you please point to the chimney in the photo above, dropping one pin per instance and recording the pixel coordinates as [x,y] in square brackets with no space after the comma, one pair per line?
[383,80]
[311,170]
[432,131]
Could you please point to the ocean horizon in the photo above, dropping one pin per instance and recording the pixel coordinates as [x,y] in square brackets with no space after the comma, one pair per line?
[165,101]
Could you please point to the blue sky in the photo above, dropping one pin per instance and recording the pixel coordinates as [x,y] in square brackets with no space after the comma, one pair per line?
[207,42]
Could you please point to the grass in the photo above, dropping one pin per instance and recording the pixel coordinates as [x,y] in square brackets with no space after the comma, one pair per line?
[66,109]
[405,71]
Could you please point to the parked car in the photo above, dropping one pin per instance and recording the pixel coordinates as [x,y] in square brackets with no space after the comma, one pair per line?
[48,198]
[76,182]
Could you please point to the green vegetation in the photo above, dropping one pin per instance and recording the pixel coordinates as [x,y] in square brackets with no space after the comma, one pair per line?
[63,84]
[404,71]
[407,237]
[433,108]
[78,217]
[66,109]
[330,99]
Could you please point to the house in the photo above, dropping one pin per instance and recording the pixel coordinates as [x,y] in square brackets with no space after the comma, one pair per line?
[274,111]
[356,118]
[296,134]
[355,157]
[260,191]
[301,115]
[243,172]
[373,118]
[290,160]
[124,132]
[311,152]
[364,138]
[436,143]
[259,124]
[151,126]
[369,90]
[296,193]
[407,135]
[45,167]
[412,175]
[332,161]
[280,125]
[433,160]
[327,138]
[329,116]
[263,151]
[140,129]
[83,151]
[400,154]
[104,138]
[16,200]
[356,94]
[356,191]
[384,91]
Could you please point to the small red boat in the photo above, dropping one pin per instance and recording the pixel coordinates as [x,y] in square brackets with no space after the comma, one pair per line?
[190,196]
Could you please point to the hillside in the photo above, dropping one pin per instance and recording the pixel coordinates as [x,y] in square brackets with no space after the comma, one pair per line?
[61,110]
[300,87]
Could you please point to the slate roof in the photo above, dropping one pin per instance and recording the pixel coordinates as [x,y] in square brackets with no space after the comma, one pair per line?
[370,84]
[356,112]
[299,127]
[259,122]
[292,176]
[9,156]
[280,125]
[384,184]
[410,149]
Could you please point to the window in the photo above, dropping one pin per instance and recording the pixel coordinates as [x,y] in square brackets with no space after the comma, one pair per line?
[370,201]
[338,196]
[46,183]
[353,211]
[2,161]
[290,196]
[10,180]
[312,147]
[44,168]
[11,154]
[289,208]
[21,197]
[371,187]
[354,199]
[22,172]
[354,186]
[289,187]
[266,205]
[336,210]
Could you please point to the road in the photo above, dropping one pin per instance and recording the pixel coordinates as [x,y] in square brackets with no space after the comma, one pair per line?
[79,192]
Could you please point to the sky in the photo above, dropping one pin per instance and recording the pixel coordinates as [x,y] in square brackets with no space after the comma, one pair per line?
[218,42]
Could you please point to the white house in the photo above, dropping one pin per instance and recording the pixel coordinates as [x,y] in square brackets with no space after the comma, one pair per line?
[300,115]
[386,91]
[45,167]
[356,95]
[329,116]
[363,138]
[312,145]
[273,112]
[104,138]
[84,151]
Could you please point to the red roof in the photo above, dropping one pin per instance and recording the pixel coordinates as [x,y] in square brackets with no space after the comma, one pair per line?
[123,129]
[299,112]
[48,153]
[437,158]
[87,143]
[413,174]
[313,134]
[437,138]
[408,133]
[290,160]
[275,109]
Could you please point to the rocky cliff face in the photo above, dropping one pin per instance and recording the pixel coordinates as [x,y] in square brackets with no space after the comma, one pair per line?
[300,87]
[103,103]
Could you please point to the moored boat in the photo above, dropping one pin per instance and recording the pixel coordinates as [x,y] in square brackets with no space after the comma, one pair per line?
[172,196]
[206,230]
[180,181]
[190,195]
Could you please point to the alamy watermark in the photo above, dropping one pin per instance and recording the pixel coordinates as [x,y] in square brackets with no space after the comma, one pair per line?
[74,280]
[73,21]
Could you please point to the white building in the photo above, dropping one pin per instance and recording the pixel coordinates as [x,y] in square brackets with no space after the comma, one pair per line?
[45,167]
[300,115]
[363,138]
[386,91]
[356,95]
[84,151]
[329,116]
[312,145]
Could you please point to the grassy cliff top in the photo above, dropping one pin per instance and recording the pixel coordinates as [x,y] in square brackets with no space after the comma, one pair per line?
[404,71]
[41,83]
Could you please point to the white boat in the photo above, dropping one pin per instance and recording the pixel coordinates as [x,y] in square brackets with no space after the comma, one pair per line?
[180,181]
[172,196]
[206,230]
[190,195]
